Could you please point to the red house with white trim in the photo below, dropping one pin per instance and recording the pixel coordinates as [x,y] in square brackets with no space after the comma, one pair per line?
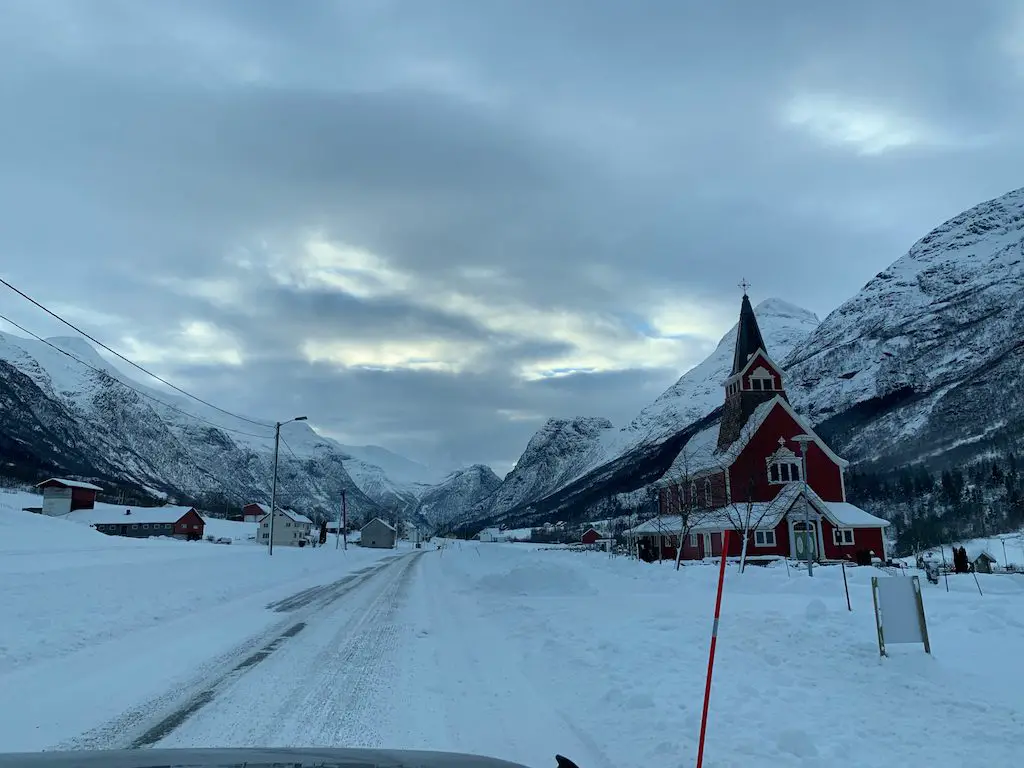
[747,473]
[590,536]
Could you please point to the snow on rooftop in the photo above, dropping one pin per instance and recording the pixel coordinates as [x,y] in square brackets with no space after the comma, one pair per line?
[70,484]
[105,514]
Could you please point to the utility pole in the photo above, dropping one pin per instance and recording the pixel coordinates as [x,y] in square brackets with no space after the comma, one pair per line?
[344,522]
[273,486]
[803,440]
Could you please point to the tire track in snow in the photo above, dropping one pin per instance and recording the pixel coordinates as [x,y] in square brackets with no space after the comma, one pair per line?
[157,718]
[328,689]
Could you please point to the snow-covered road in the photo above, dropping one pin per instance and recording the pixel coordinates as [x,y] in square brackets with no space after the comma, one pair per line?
[398,655]
[518,652]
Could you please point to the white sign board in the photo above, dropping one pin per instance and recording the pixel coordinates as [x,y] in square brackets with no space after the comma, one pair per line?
[899,612]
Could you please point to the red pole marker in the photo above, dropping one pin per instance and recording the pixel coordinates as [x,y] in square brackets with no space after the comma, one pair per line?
[711,653]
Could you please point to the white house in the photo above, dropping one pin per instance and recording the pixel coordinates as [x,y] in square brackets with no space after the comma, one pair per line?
[290,529]
[493,534]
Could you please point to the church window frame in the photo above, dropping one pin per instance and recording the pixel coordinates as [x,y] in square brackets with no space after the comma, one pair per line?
[783,466]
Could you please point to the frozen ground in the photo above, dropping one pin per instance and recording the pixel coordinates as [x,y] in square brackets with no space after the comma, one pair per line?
[517,652]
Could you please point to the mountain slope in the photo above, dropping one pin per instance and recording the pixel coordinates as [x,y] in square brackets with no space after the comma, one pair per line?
[784,326]
[565,450]
[63,416]
[460,492]
[925,361]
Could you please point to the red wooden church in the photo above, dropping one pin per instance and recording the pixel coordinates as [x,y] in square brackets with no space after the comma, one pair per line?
[747,473]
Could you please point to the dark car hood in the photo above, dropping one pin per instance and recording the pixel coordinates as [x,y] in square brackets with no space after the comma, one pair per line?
[251,758]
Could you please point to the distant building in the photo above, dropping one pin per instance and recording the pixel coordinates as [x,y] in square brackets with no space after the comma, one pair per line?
[378,534]
[63,496]
[143,522]
[981,559]
[253,513]
[290,529]
[590,536]
[492,534]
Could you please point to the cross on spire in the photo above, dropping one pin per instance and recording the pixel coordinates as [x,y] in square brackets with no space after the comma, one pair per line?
[744,285]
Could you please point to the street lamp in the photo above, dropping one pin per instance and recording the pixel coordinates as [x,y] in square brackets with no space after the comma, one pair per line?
[273,487]
[803,440]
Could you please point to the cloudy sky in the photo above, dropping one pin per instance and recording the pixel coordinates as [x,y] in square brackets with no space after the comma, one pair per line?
[430,225]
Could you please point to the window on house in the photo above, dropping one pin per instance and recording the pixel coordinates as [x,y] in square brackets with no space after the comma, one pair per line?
[755,384]
[693,494]
[784,471]
[707,493]
[764,538]
[693,539]
[145,526]
[135,526]
[843,537]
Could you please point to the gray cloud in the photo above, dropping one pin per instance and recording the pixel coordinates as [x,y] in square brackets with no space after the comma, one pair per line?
[580,186]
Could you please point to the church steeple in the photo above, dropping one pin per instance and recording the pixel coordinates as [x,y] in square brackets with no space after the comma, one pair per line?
[754,378]
[748,337]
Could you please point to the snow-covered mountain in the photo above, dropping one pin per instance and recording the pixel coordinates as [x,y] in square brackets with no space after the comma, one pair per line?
[925,361]
[924,364]
[71,412]
[564,450]
[458,493]
[699,391]
[560,451]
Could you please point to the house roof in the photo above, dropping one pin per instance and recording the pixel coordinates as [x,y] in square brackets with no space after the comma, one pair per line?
[107,514]
[748,337]
[382,522]
[295,517]
[69,484]
[262,507]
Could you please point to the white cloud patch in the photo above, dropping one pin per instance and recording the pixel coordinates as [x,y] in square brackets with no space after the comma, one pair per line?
[425,355]
[865,128]
[597,342]
[196,342]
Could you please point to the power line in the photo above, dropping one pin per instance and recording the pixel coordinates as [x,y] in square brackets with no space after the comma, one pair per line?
[129,386]
[96,341]
[290,449]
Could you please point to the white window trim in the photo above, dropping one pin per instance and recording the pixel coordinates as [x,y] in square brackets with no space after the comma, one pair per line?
[694,540]
[838,534]
[764,539]
[707,492]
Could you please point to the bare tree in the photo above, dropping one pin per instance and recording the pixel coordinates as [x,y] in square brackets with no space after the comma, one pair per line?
[678,485]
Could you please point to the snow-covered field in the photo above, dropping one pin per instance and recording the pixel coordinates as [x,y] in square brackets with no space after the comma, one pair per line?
[90,623]
[508,650]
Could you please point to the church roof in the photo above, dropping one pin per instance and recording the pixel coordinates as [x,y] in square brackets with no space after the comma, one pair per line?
[700,453]
[748,337]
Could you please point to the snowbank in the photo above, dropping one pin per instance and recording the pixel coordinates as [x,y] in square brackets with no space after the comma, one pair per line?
[619,650]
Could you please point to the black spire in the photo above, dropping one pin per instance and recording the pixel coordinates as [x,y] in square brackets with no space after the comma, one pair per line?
[748,337]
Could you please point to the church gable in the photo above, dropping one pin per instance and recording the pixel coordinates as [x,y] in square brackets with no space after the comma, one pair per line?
[759,374]
[769,459]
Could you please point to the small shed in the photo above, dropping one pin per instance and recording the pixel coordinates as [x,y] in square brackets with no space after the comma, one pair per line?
[253,513]
[983,562]
[590,536]
[61,496]
[378,534]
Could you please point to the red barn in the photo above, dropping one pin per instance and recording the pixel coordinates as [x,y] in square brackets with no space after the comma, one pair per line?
[749,474]
[590,536]
[253,513]
[63,496]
